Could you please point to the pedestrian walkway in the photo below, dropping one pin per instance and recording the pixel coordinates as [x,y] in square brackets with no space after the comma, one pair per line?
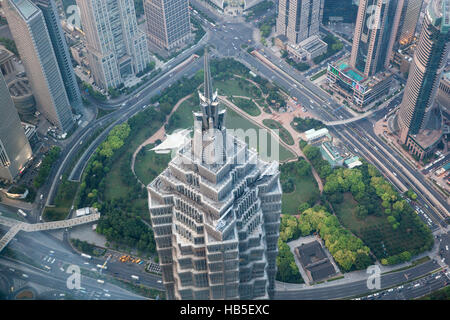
[27,227]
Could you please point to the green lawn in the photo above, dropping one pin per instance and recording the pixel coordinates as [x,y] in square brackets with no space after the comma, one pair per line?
[183,118]
[237,87]
[247,106]
[284,134]
[235,121]
[149,164]
[305,189]
[346,212]
[116,188]
[63,201]
[103,112]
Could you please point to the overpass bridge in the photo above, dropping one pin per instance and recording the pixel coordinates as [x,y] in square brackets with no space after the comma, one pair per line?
[16,226]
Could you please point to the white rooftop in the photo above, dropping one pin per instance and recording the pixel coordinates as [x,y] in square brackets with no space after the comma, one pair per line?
[173,141]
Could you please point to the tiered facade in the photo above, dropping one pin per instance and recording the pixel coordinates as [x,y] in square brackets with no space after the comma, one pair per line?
[215,213]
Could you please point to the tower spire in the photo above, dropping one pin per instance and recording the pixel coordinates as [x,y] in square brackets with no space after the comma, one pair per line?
[208,89]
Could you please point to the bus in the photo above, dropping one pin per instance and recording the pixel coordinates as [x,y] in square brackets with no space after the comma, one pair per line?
[20,211]
[86,256]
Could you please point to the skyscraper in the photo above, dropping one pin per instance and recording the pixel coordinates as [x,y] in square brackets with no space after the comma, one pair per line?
[59,44]
[27,24]
[116,47]
[375,32]
[409,17]
[419,117]
[215,213]
[299,19]
[168,23]
[15,150]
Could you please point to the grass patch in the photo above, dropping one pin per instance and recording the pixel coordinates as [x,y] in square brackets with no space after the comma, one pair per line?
[247,106]
[305,188]
[182,118]
[103,112]
[88,248]
[116,187]
[284,134]
[346,212]
[149,164]
[237,87]
[236,121]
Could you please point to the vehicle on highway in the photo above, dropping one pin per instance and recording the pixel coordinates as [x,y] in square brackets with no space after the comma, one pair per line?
[20,211]
[135,277]
[86,256]
[24,275]
[101,281]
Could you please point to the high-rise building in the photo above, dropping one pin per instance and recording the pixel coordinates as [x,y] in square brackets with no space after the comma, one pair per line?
[168,23]
[116,47]
[15,150]
[409,16]
[419,118]
[27,24]
[215,213]
[299,19]
[374,36]
[61,50]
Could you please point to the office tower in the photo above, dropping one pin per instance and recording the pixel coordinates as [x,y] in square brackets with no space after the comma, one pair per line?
[61,50]
[116,48]
[7,67]
[15,151]
[443,95]
[375,32]
[168,23]
[299,19]
[29,30]
[215,213]
[409,17]
[419,117]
